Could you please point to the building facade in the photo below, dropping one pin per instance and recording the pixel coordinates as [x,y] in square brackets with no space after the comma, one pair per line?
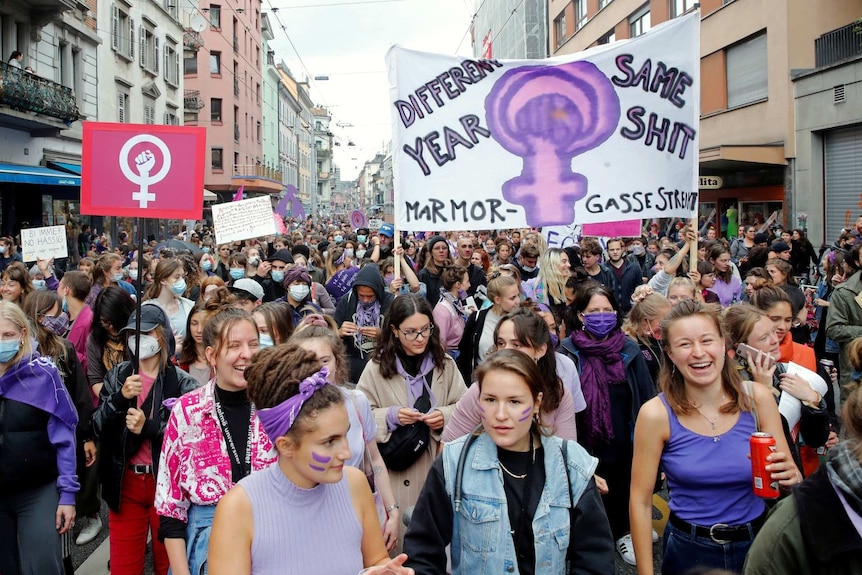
[323,159]
[510,29]
[270,110]
[749,49]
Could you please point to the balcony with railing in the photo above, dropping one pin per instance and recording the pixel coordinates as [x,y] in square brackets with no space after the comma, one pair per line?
[257,178]
[192,40]
[322,176]
[32,103]
[192,100]
[838,45]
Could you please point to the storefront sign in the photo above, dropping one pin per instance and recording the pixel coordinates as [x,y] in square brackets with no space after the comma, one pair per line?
[710,182]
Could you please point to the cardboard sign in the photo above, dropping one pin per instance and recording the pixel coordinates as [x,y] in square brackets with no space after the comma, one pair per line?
[625,229]
[44,243]
[243,220]
[604,135]
[143,170]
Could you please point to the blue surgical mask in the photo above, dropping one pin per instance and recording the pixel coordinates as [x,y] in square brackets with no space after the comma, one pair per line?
[179,287]
[8,349]
[265,340]
[348,253]
[206,250]
[237,273]
[277,275]
[360,254]
[133,274]
[361,238]
[65,306]
[118,277]
[39,284]
[207,266]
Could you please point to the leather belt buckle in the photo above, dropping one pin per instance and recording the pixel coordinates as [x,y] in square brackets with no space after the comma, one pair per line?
[139,469]
[716,539]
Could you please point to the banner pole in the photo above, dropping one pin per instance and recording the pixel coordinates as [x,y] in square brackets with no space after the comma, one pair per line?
[692,265]
[138,292]
[396,239]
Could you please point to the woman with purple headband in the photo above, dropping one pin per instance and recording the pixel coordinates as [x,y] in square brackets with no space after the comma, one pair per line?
[309,513]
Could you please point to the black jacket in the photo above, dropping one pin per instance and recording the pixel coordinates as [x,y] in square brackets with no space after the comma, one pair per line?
[368,276]
[27,457]
[624,285]
[468,348]
[109,423]
[432,285]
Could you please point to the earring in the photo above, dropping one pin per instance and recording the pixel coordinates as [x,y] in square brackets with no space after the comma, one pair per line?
[673,370]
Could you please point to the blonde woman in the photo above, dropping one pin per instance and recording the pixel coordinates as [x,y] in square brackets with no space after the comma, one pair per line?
[549,286]
[643,325]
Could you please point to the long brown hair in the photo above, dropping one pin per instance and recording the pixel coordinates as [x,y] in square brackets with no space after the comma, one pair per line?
[388,344]
[339,353]
[670,379]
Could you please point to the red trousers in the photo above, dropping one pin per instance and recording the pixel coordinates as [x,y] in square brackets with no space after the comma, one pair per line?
[128,529]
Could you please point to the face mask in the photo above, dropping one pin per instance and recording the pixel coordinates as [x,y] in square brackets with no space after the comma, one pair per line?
[2,249]
[462,294]
[366,305]
[338,239]
[349,253]
[265,340]
[638,250]
[300,292]
[361,239]
[179,287]
[387,279]
[8,349]
[360,253]
[133,274]
[118,277]
[149,346]
[56,325]
[529,269]
[491,251]
[254,261]
[207,266]
[325,254]
[39,284]
[555,340]
[65,306]
[600,324]
[237,273]
[277,276]
[206,250]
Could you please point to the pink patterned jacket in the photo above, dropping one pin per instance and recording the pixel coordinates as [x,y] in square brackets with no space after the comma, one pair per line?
[194,468]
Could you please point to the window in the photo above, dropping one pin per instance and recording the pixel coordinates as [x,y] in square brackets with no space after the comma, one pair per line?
[258,132]
[149,111]
[580,13]
[746,71]
[149,51]
[215,62]
[680,7]
[122,107]
[603,3]
[639,22]
[218,158]
[257,91]
[608,38]
[560,29]
[122,33]
[190,63]
[215,109]
[171,118]
[215,16]
[172,65]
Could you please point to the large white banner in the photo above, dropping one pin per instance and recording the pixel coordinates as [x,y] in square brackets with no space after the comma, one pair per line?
[604,135]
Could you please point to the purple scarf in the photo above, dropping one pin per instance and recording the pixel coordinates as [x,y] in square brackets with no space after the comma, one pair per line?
[366,316]
[416,382]
[37,383]
[601,364]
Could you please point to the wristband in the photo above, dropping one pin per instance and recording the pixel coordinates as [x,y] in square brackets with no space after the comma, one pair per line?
[392,508]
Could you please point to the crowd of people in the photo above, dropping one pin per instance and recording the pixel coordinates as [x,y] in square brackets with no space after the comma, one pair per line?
[338,400]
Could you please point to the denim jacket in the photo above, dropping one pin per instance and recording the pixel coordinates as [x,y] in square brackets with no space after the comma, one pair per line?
[481,540]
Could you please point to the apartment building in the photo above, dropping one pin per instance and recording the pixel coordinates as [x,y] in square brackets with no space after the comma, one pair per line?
[226,75]
[749,50]
[323,159]
[510,29]
[42,103]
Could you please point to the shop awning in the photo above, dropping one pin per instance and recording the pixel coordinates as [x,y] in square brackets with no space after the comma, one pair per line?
[209,196]
[37,175]
[64,167]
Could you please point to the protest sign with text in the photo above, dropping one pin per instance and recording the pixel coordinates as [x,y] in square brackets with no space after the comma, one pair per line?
[43,243]
[608,134]
[243,220]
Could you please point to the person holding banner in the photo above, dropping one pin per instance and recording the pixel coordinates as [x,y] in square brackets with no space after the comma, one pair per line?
[130,422]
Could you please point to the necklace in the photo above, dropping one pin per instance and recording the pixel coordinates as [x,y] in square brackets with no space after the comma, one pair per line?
[514,476]
[712,423]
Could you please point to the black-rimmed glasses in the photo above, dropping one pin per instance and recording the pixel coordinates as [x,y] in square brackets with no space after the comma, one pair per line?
[413,335]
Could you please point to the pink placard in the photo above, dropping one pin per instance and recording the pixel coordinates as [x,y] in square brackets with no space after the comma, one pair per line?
[623,229]
[142,170]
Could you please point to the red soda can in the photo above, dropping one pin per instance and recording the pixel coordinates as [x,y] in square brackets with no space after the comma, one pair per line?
[761,445]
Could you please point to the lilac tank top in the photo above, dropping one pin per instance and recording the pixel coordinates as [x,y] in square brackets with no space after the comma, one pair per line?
[710,481]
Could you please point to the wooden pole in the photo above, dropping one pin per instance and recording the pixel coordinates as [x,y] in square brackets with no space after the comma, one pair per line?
[396,243]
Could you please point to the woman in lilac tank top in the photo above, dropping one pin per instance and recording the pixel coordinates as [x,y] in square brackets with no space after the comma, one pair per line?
[309,513]
[698,429]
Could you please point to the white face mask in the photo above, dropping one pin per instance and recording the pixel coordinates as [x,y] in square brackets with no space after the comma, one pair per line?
[299,292]
[149,346]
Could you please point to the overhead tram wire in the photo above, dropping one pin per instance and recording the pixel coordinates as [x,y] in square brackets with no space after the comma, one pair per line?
[470,25]
[339,4]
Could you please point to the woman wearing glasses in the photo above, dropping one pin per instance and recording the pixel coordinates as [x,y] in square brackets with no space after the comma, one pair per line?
[410,383]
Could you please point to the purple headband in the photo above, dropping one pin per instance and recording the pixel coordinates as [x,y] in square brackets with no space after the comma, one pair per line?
[278,420]
[340,260]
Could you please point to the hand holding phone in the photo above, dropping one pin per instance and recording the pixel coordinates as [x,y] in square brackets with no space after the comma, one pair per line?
[750,354]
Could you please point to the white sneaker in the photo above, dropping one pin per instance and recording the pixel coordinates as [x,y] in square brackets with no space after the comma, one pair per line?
[626,549]
[89,530]
[654,536]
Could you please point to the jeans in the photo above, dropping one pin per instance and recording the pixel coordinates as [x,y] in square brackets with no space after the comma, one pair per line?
[128,528]
[198,530]
[683,551]
[28,517]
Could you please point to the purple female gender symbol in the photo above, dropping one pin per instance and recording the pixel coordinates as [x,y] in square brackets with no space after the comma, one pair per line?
[548,115]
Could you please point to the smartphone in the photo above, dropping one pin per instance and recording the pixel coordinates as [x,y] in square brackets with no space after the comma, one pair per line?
[749,353]
[470,302]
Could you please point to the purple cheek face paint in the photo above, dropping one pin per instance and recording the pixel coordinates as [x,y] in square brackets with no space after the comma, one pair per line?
[319,459]
[316,468]
[527,413]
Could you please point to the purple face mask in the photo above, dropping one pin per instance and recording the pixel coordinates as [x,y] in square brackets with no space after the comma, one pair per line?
[56,325]
[555,340]
[600,324]
[462,294]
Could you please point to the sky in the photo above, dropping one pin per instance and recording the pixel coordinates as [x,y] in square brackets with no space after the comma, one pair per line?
[347,40]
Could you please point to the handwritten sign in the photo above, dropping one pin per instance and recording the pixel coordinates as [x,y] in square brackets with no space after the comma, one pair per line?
[44,243]
[246,219]
[604,135]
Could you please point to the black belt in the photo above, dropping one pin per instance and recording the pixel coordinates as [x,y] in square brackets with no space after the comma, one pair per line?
[721,533]
[140,469]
